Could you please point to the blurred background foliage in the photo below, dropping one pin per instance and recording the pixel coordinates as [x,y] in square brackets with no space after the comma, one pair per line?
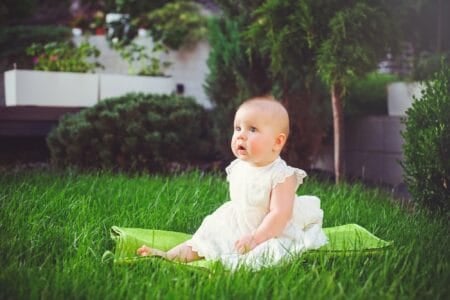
[177,24]
[15,40]
[425,24]
[244,59]
[173,23]
[367,95]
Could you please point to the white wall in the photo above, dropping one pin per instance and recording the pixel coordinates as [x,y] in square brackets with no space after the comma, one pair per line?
[188,66]
[401,95]
[190,69]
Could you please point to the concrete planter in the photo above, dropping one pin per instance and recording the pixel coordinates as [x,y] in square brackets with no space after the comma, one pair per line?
[114,85]
[400,96]
[44,88]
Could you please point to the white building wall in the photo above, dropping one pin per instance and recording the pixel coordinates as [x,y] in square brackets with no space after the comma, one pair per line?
[188,66]
[190,69]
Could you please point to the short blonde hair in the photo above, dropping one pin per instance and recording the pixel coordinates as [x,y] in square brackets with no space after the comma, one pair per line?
[269,103]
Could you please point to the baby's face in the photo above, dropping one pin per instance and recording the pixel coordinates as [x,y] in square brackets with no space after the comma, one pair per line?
[255,136]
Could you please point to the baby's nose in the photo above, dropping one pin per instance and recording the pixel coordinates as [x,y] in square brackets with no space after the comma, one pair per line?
[242,135]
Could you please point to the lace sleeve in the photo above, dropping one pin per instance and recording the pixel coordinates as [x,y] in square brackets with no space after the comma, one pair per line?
[230,167]
[285,172]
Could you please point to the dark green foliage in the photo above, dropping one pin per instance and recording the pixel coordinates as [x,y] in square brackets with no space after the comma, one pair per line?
[177,24]
[426,24]
[427,64]
[368,95]
[136,132]
[233,76]
[16,9]
[357,36]
[427,144]
[132,7]
[33,11]
[15,40]
[336,40]
[241,66]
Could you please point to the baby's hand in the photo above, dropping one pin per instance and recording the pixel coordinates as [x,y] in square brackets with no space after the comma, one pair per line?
[144,251]
[245,244]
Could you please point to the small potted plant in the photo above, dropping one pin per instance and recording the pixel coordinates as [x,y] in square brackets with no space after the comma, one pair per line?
[79,23]
[97,24]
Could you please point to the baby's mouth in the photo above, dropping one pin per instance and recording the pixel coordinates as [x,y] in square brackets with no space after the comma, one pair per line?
[241,149]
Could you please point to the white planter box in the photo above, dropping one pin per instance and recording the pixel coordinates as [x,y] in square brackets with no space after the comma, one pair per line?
[44,88]
[113,85]
[400,96]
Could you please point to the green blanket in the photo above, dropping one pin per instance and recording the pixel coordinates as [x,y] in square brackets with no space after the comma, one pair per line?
[345,239]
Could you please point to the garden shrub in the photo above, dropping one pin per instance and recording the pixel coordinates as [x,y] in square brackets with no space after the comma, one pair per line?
[427,144]
[368,95]
[136,132]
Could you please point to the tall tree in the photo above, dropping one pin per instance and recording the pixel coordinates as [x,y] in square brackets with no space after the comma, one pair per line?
[292,71]
[356,39]
[337,40]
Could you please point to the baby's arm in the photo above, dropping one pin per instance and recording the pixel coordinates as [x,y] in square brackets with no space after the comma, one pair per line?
[280,212]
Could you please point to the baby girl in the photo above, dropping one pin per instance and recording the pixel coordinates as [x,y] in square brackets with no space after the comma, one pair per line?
[265,221]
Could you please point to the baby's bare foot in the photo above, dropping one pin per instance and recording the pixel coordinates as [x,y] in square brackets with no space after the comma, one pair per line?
[144,251]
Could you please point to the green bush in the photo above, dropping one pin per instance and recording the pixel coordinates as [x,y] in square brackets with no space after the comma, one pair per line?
[368,95]
[136,132]
[427,144]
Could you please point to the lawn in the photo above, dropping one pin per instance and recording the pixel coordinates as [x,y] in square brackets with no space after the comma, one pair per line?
[54,228]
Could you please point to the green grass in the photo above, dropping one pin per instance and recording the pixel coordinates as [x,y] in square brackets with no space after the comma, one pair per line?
[54,229]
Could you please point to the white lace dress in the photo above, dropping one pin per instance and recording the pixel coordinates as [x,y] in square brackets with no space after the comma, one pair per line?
[250,189]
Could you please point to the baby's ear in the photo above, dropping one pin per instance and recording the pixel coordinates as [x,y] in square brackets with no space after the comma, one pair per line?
[279,142]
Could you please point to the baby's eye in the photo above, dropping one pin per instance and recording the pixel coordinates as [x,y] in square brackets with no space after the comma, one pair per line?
[237,128]
[253,129]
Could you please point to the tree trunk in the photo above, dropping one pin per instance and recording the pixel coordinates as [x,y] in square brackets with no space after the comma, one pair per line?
[336,103]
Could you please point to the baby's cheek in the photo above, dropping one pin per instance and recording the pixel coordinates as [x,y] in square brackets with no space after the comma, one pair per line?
[256,147]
